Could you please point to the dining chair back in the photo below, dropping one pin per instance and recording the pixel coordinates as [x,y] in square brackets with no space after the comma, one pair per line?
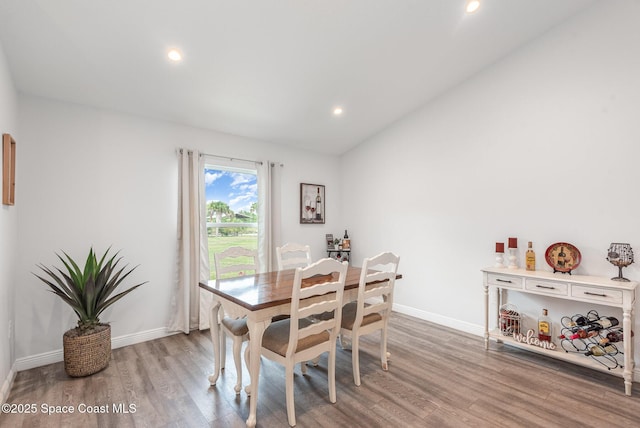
[234,261]
[317,288]
[293,255]
[370,312]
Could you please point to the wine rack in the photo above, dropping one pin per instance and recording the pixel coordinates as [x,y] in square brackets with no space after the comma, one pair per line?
[603,345]
[340,255]
[580,288]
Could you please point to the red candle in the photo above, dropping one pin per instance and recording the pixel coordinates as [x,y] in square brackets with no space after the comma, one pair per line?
[499,247]
[513,242]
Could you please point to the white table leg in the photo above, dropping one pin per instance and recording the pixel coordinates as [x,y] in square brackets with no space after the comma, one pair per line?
[256,330]
[214,329]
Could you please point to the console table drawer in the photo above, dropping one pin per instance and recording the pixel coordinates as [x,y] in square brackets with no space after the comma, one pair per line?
[602,295]
[544,287]
[504,281]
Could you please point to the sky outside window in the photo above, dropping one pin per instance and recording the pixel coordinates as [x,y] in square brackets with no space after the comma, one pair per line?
[239,190]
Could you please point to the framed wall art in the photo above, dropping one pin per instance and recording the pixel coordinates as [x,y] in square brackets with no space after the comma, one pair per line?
[312,203]
[8,170]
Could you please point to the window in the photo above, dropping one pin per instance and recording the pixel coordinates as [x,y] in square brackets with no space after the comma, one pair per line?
[231,198]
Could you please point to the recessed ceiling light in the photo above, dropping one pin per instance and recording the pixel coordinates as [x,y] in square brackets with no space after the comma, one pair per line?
[472,6]
[337,111]
[174,55]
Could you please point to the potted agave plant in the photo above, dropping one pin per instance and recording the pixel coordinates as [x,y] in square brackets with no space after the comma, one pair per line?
[89,291]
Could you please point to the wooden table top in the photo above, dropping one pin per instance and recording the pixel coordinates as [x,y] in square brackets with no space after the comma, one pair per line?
[269,289]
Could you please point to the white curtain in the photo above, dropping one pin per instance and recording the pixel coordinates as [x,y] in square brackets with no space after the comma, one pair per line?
[267,173]
[192,251]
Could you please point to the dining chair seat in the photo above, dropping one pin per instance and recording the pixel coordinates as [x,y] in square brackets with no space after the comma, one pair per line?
[276,336]
[349,316]
[237,327]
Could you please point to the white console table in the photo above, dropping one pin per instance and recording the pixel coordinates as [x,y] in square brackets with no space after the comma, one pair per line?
[587,289]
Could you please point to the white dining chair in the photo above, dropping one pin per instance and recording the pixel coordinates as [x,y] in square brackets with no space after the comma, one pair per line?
[234,261]
[298,338]
[370,312]
[291,255]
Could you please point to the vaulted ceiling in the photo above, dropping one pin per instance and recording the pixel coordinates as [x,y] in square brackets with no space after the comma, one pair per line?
[273,70]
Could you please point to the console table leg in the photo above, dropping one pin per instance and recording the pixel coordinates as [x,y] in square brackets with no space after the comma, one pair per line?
[486,316]
[628,354]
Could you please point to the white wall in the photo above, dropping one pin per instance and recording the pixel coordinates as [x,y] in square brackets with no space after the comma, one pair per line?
[543,146]
[94,177]
[8,236]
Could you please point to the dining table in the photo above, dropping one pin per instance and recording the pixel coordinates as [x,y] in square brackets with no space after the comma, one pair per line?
[259,298]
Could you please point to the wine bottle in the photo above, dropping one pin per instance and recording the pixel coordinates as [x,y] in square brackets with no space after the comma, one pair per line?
[598,351]
[346,242]
[318,206]
[544,327]
[606,322]
[580,320]
[530,258]
[583,333]
[612,337]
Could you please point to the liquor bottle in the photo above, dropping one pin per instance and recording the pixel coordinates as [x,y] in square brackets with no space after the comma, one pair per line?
[544,327]
[346,242]
[318,206]
[530,258]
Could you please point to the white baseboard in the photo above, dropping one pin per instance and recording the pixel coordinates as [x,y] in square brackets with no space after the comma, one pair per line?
[474,329]
[7,384]
[56,356]
[143,336]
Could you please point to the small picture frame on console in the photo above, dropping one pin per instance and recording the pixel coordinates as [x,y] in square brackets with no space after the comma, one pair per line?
[329,240]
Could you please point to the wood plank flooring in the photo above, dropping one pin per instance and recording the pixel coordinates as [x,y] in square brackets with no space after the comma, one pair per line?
[438,377]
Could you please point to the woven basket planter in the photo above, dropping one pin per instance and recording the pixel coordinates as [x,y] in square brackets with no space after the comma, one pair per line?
[88,354]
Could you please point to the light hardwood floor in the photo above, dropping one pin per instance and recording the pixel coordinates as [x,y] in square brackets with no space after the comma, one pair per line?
[438,377]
